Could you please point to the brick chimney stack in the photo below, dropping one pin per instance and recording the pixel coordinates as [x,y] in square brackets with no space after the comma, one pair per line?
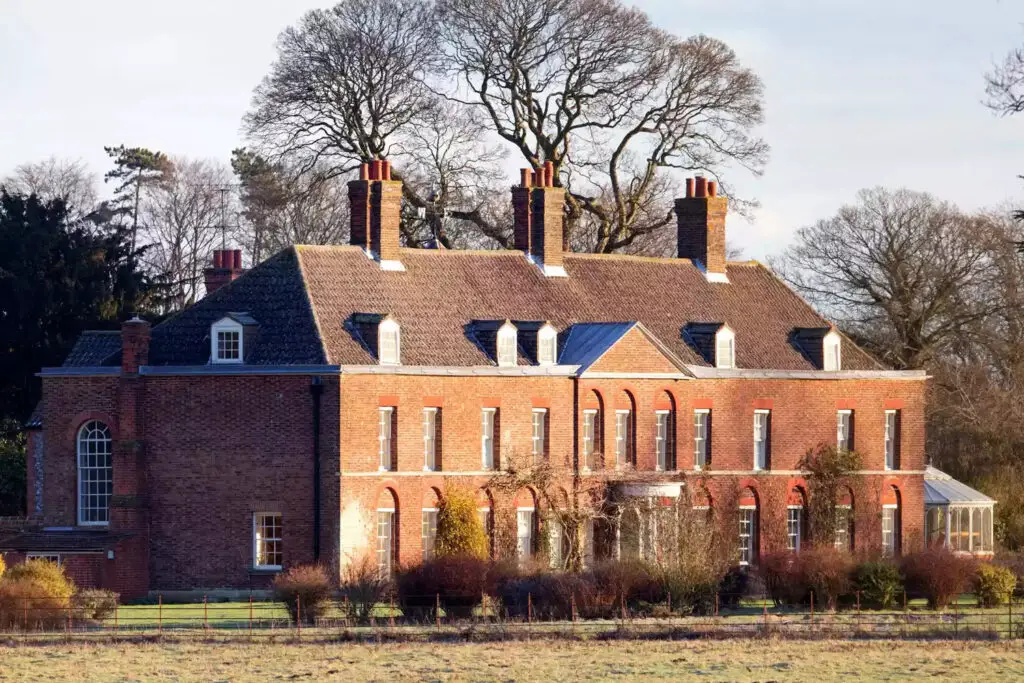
[700,217]
[376,208]
[539,219]
[134,345]
[227,267]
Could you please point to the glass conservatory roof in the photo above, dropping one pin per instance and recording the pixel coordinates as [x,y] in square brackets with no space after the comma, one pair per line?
[942,489]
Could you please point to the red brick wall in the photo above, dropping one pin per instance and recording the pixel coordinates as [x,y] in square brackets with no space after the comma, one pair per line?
[216,449]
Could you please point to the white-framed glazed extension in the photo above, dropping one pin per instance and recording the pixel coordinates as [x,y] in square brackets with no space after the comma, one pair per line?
[956,516]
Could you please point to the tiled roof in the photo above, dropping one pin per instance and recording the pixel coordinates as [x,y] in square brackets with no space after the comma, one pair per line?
[94,348]
[441,292]
[303,300]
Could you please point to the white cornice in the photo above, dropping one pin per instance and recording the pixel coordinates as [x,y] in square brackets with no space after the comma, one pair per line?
[704,372]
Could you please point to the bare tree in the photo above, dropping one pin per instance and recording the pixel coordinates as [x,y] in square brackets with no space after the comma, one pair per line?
[611,101]
[283,205]
[69,180]
[1004,85]
[907,275]
[346,82]
[180,217]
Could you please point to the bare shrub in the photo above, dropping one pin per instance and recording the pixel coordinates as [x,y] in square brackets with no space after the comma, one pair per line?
[938,575]
[305,590]
[362,588]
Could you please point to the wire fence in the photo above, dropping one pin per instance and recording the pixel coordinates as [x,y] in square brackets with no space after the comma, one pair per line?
[433,617]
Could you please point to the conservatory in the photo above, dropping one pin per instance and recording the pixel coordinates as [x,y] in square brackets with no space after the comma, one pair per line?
[957,516]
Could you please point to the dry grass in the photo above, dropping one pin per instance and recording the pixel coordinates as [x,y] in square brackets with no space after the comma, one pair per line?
[735,660]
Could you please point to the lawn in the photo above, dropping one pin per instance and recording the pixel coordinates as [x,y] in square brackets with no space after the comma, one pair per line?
[734,660]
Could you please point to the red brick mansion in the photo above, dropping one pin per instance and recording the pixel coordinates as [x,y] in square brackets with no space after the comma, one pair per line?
[315,407]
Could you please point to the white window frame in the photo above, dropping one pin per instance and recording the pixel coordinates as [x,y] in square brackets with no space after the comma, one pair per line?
[94,447]
[842,542]
[547,345]
[538,434]
[487,417]
[385,445]
[794,527]
[889,514]
[623,436]
[662,426]
[746,540]
[385,552]
[525,541]
[389,353]
[226,326]
[701,420]
[843,429]
[761,444]
[430,439]
[507,351]
[259,540]
[49,557]
[725,348]
[890,440]
[831,352]
[484,514]
[428,533]
[589,437]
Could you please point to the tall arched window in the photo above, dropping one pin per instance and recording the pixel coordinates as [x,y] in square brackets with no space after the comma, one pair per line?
[95,473]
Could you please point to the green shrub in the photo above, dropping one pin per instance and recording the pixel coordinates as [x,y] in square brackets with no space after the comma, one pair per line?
[1015,563]
[733,586]
[938,575]
[879,583]
[93,604]
[304,589]
[459,530]
[994,584]
[35,594]
[458,582]
[362,588]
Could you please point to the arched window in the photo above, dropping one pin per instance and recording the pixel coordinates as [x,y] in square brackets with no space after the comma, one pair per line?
[591,437]
[389,342]
[796,523]
[95,473]
[665,432]
[428,535]
[507,342]
[892,522]
[625,430]
[387,533]
[547,345]
[749,519]
[725,348]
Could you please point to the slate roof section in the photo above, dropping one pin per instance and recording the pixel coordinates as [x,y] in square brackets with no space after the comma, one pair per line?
[35,420]
[585,343]
[273,295]
[95,347]
[942,489]
[441,292]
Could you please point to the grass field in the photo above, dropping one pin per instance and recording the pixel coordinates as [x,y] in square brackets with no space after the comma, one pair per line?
[732,660]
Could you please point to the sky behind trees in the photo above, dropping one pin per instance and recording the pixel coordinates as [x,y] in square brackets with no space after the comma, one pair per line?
[857,93]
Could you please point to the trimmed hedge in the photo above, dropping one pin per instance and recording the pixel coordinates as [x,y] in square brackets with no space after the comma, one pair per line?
[938,575]
[35,594]
[459,583]
[994,584]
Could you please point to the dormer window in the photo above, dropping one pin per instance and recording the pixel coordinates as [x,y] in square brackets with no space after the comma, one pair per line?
[832,358]
[226,342]
[388,342]
[507,343]
[547,344]
[725,349]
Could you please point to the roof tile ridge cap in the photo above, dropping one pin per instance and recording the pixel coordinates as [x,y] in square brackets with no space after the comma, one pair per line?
[461,252]
[669,260]
[309,302]
[326,247]
[779,280]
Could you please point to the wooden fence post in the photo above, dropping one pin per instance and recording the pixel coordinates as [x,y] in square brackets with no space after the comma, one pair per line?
[160,613]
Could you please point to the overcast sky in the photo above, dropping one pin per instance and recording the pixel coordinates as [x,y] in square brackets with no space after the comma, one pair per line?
[858,92]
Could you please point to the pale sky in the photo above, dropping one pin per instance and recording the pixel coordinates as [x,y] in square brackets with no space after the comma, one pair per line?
[858,92]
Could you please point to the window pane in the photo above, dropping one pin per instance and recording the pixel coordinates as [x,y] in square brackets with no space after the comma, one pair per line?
[385,543]
[385,445]
[589,419]
[95,473]
[793,517]
[429,533]
[487,438]
[430,438]
[661,440]
[524,534]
